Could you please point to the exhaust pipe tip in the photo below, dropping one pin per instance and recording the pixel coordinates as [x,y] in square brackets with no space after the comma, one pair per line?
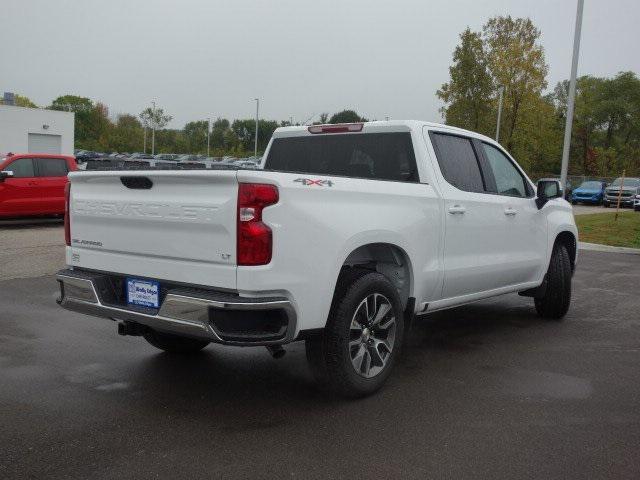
[276,351]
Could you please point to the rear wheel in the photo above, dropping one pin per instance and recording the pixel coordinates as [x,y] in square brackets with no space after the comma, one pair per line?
[557,298]
[361,342]
[174,343]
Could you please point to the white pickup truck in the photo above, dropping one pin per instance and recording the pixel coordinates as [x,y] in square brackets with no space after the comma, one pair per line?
[342,236]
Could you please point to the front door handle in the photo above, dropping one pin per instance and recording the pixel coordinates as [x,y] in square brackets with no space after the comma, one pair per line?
[457,210]
[510,211]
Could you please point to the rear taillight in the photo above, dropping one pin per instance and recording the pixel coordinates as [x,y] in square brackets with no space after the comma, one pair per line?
[67,212]
[254,237]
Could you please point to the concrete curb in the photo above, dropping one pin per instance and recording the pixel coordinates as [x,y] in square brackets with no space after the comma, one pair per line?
[596,247]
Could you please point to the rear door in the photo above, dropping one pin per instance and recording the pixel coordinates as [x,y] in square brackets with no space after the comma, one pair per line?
[474,244]
[52,177]
[19,195]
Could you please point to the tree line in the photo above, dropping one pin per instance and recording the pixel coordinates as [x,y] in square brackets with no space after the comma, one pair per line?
[95,130]
[507,54]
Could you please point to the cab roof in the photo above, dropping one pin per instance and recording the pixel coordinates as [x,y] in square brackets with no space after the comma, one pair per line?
[378,126]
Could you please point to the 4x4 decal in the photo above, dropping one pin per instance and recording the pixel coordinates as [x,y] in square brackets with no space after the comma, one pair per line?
[308,182]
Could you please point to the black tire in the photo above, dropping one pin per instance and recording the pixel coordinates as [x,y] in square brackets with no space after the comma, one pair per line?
[555,303]
[174,343]
[330,354]
[574,202]
[605,204]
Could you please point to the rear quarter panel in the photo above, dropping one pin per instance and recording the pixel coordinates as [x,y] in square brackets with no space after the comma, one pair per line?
[316,227]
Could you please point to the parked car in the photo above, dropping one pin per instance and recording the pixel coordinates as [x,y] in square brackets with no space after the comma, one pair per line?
[636,203]
[348,233]
[141,156]
[187,158]
[626,189]
[591,191]
[85,155]
[33,184]
[167,157]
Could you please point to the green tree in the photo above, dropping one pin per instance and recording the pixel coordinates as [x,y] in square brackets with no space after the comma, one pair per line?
[468,94]
[587,119]
[126,134]
[153,119]
[218,130]
[516,61]
[91,120]
[72,103]
[346,116]
[21,101]
[606,124]
[196,136]
[244,132]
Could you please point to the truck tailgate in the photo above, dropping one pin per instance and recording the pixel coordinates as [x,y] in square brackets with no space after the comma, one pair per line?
[177,225]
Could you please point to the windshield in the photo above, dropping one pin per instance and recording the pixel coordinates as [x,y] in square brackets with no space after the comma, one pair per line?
[591,185]
[628,182]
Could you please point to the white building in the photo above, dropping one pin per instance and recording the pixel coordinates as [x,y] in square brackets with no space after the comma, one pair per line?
[35,130]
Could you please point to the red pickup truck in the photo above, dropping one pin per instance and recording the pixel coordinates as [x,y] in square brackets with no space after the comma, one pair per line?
[33,184]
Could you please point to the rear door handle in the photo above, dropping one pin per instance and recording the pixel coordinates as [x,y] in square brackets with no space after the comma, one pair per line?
[510,211]
[457,210]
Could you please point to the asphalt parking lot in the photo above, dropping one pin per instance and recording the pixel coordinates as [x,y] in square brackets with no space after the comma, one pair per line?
[483,391]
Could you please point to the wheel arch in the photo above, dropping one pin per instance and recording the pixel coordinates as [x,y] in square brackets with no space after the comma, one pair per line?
[389,260]
[570,242]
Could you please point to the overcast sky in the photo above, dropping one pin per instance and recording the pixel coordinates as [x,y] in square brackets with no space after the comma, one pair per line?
[200,58]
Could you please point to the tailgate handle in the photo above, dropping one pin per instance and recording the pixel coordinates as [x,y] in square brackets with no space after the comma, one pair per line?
[137,183]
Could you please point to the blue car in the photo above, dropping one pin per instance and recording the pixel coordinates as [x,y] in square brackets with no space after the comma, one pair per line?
[589,192]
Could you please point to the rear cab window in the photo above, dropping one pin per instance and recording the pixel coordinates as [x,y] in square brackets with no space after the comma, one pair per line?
[376,156]
[472,165]
[52,167]
[458,162]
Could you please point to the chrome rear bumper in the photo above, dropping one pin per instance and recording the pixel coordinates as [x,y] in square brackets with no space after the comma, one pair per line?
[183,311]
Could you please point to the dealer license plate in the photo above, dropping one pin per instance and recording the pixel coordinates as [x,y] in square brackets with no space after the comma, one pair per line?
[145,293]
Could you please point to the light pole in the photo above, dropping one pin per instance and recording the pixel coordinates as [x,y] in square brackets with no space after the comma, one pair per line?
[153,128]
[208,130]
[572,96]
[501,94]
[255,148]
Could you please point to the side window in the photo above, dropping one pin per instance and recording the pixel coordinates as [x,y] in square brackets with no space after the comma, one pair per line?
[508,179]
[21,168]
[458,162]
[52,167]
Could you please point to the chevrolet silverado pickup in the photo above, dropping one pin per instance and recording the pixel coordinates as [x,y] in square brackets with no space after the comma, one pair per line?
[340,238]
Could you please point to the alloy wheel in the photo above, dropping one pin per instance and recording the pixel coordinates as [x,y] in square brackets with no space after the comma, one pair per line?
[372,335]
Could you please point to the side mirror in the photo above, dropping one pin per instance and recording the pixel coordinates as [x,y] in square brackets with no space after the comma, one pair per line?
[5,174]
[548,189]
